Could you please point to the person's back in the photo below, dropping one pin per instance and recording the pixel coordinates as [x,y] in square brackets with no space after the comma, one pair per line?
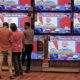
[17,46]
[29,34]
[5,46]
[5,39]
[18,38]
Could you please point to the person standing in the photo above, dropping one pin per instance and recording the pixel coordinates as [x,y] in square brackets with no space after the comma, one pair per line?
[5,47]
[17,46]
[29,35]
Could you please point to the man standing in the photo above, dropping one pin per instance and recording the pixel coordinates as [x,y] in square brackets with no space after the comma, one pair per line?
[5,46]
[17,46]
[29,35]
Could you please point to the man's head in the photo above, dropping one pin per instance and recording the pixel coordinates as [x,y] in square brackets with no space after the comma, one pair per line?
[5,24]
[13,27]
[26,25]
[64,44]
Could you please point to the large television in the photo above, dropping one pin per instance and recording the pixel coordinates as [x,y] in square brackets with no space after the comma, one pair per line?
[64,48]
[18,18]
[52,23]
[15,4]
[77,5]
[76,23]
[53,5]
[38,47]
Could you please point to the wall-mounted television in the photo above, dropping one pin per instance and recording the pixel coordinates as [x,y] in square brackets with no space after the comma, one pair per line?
[64,48]
[18,18]
[77,5]
[53,5]
[15,4]
[53,23]
[76,23]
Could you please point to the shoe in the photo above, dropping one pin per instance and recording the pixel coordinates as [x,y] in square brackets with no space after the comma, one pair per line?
[27,71]
[11,77]
[21,73]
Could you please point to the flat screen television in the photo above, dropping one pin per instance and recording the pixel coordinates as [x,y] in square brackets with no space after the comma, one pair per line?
[64,48]
[76,23]
[15,4]
[53,23]
[53,5]
[18,18]
[77,5]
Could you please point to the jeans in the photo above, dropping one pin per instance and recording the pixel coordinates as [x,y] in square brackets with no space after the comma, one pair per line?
[16,57]
[28,51]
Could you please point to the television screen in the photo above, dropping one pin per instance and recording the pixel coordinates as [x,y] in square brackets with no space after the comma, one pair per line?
[64,48]
[38,47]
[15,4]
[18,18]
[77,5]
[53,23]
[53,5]
[76,23]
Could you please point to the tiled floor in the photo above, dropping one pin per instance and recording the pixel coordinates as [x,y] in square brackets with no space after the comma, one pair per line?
[45,76]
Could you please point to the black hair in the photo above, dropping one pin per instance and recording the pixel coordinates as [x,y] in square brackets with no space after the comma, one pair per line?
[13,27]
[27,24]
[6,24]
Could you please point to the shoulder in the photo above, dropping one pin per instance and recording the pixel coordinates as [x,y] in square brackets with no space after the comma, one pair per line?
[10,31]
[21,33]
[32,30]
[26,31]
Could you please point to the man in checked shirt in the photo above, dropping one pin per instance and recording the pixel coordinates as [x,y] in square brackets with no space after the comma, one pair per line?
[5,47]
